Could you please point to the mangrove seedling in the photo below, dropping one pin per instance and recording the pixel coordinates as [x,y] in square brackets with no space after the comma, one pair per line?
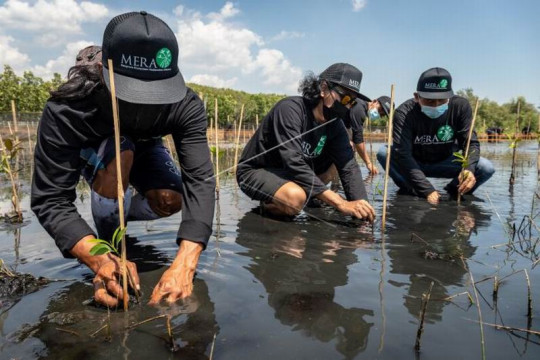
[9,152]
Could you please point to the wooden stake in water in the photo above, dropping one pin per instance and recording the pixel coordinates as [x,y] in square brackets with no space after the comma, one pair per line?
[120,187]
[466,155]
[14,114]
[217,146]
[387,168]
[425,301]
[238,138]
[514,145]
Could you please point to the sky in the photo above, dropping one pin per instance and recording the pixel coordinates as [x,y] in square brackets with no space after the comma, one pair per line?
[491,46]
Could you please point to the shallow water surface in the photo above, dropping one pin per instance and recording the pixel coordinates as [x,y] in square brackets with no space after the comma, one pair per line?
[320,287]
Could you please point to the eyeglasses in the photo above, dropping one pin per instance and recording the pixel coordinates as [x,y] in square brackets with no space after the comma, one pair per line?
[346,99]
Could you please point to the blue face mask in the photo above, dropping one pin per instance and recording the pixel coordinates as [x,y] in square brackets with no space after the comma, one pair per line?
[374,114]
[434,111]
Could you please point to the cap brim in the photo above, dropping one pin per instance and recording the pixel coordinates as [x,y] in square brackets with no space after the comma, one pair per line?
[166,91]
[360,96]
[435,95]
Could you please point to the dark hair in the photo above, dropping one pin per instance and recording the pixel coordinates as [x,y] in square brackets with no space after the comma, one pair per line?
[82,81]
[310,88]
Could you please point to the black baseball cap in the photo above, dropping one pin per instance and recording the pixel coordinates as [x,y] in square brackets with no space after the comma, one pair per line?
[435,83]
[385,104]
[144,51]
[346,76]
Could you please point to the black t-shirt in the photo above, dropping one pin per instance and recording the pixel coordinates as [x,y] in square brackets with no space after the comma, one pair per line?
[418,138]
[358,115]
[290,138]
[67,127]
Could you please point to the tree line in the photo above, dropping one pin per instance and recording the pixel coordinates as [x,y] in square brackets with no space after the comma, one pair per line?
[30,93]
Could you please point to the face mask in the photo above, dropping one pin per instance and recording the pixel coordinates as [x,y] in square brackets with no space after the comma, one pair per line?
[374,114]
[434,111]
[141,115]
[337,110]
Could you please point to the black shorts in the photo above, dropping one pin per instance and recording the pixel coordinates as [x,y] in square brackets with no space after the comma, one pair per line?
[153,166]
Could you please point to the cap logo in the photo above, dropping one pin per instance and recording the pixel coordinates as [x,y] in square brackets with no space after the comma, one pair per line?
[355,84]
[442,85]
[164,58]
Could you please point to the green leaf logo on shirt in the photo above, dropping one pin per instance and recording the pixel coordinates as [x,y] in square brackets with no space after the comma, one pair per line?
[443,83]
[320,146]
[164,58]
[445,133]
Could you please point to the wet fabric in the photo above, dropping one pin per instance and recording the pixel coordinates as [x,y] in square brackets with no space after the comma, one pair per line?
[289,139]
[419,139]
[68,127]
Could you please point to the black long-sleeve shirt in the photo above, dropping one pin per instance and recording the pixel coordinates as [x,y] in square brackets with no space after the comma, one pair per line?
[289,138]
[67,127]
[418,138]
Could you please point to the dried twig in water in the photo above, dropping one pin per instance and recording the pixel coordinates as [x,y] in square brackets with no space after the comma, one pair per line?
[529,297]
[425,300]
[132,326]
[510,328]
[99,330]
[482,340]
[449,298]
[69,331]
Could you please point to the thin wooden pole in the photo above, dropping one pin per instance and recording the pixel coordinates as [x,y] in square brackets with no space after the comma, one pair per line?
[120,186]
[217,146]
[514,152]
[14,114]
[471,129]
[238,138]
[387,168]
[257,121]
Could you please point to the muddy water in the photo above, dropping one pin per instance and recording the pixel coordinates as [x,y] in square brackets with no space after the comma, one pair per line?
[319,287]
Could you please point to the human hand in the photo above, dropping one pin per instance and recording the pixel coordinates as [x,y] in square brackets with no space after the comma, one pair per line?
[107,288]
[358,208]
[177,281]
[108,270]
[466,181]
[372,168]
[434,198]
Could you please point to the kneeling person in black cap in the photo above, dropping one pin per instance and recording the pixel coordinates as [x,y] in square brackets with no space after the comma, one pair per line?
[427,131]
[359,113]
[76,135]
[287,160]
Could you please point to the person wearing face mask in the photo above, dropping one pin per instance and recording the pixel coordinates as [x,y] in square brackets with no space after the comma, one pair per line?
[427,131]
[300,141]
[363,110]
[76,136]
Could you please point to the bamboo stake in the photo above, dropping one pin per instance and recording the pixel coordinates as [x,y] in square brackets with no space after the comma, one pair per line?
[425,301]
[211,356]
[14,114]
[218,207]
[238,138]
[509,328]
[471,129]
[529,297]
[387,168]
[257,121]
[120,187]
[514,152]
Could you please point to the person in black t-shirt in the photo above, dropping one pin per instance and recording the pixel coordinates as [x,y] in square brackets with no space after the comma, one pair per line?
[298,143]
[427,131]
[358,114]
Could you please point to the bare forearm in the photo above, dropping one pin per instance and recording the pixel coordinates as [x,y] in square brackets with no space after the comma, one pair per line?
[362,152]
[331,198]
[81,251]
[188,255]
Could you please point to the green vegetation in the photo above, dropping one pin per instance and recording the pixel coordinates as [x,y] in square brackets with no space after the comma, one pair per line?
[31,92]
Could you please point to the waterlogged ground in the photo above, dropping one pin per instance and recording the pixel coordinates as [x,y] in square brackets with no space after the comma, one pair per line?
[320,287]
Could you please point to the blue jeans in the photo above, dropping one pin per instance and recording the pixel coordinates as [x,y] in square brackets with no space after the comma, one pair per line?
[444,169]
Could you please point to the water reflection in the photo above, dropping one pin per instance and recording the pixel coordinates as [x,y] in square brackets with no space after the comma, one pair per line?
[441,237]
[300,265]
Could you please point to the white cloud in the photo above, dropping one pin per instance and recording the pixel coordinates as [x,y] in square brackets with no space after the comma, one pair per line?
[213,80]
[213,45]
[50,17]
[287,35]
[61,64]
[358,5]
[11,56]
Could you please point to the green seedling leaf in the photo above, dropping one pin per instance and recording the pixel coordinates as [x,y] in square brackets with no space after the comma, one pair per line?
[117,238]
[9,144]
[100,249]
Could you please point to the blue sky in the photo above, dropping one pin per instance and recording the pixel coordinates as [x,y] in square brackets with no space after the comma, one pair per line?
[491,46]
